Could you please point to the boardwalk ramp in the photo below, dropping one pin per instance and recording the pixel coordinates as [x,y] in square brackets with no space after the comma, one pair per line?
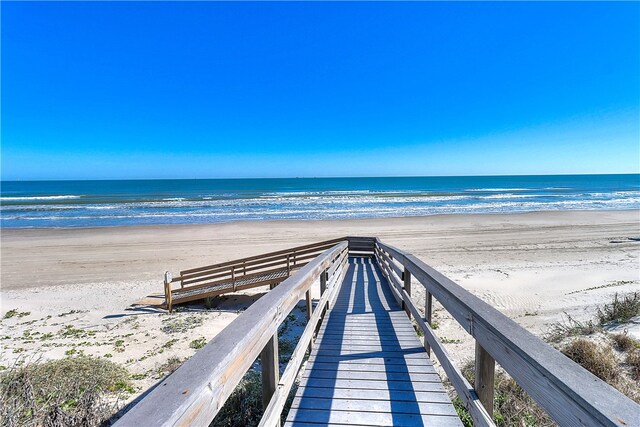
[367,366]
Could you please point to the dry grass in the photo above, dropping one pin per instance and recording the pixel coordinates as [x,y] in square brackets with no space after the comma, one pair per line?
[79,391]
[633,360]
[599,360]
[624,342]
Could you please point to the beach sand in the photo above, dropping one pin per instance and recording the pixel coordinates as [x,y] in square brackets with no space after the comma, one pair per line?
[78,284]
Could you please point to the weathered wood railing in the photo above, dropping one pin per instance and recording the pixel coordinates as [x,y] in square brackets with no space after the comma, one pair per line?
[194,393]
[245,273]
[571,395]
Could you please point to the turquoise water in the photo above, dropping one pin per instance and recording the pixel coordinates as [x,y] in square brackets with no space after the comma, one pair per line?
[139,202]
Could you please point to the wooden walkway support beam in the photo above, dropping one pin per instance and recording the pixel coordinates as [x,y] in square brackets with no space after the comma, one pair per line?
[485,367]
[270,364]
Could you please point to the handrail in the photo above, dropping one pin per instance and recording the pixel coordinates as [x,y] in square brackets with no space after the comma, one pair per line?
[196,391]
[216,279]
[570,394]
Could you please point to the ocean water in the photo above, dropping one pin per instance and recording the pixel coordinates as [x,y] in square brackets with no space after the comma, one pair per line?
[139,202]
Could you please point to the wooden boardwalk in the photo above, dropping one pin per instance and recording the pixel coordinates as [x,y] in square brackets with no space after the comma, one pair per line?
[368,366]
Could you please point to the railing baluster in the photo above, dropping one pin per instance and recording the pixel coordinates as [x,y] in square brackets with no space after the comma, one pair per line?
[406,277]
[309,313]
[167,290]
[428,308]
[233,277]
[269,360]
[484,382]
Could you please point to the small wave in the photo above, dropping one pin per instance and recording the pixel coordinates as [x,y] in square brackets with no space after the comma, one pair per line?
[510,196]
[497,190]
[39,198]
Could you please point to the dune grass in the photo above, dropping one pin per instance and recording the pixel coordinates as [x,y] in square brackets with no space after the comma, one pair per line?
[74,391]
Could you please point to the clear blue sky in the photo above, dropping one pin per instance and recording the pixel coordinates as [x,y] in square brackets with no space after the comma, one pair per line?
[207,90]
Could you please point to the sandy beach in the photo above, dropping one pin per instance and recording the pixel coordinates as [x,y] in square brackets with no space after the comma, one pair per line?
[72,289]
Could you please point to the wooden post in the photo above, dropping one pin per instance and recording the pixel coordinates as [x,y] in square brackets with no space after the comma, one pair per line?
[270,369]
[309,312]
[484,383]
[406,277]
[323,282]
[233,277]
[309,305]
[323,288]
[288,265]
[428,308]
[167,290]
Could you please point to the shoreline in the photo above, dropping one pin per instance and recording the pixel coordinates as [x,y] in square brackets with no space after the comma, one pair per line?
[34,258]
[322,221]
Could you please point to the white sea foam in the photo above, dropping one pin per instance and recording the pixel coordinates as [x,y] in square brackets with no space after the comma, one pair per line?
[39,198]
[497,190]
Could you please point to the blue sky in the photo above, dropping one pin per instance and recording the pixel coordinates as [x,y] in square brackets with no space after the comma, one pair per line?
[208,90]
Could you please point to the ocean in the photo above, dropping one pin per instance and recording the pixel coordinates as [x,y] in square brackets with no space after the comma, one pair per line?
[61,204]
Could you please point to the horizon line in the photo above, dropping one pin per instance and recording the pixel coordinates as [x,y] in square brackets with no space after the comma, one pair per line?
[318,177]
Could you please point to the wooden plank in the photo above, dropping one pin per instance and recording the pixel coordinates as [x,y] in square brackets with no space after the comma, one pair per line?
[384,395]
[343,374]
[371,418]
[369,362]
[360,340]
[370,367]
[398,407]
[394,358]
[371,384]
[392,346]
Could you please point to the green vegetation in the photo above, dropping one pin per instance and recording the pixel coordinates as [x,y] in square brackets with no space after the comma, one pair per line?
[12,313]
[74,391]
[620,309]
[67,313]
[198,343]
[170,343]
[570,328]
[180,324]
[512,405]
[244,406]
